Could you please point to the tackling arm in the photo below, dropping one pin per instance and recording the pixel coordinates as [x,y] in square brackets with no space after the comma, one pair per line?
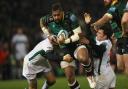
[107,17]
[75,37]
[44,27]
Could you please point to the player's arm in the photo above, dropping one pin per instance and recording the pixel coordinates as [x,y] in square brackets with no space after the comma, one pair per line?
[43,25]
[76,31]
[75,37]
[109,15]
[106,18]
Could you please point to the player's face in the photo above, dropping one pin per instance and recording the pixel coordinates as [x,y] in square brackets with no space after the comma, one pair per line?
[100,35]
[57,15]
[107,2]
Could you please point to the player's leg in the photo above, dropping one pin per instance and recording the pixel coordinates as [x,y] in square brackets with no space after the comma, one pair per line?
[125,59]
[50,80]
[107,79]
[81,53]
[70,75]
[119,54]
[32,84]
[69,70]
[125,55]
[111,76]
[29,74]
[120,63]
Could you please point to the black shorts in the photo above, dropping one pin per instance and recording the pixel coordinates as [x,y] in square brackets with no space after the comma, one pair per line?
[61,51]
[122,46]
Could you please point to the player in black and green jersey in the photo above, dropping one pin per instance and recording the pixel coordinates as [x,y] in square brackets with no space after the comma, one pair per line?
[124,24]
[60,20]
[124,21]
[114,15]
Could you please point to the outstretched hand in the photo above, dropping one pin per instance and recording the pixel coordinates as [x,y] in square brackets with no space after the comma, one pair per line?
[53,40]
[87,18]
[60,39]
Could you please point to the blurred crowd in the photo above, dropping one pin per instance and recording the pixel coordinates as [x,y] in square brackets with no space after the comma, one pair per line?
[20,30]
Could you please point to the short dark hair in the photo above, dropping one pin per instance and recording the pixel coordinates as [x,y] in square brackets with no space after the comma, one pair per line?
[56,6]
[107,30]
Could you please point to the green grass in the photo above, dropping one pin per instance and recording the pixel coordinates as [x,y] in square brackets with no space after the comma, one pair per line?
[122,83]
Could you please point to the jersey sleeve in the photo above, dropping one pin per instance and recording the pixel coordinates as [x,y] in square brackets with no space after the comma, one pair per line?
[45,20]
[74,21]
[112,10]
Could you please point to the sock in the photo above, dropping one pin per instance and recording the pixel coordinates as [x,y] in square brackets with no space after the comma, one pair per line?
[74,85]
[45,85]
[88,68]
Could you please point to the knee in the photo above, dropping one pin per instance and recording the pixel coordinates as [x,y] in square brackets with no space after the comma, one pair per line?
[51,82]
[83,56]
[68,58]
[120,68]
[83,59]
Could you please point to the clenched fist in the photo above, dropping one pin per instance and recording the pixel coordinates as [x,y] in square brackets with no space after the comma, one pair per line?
[68,58]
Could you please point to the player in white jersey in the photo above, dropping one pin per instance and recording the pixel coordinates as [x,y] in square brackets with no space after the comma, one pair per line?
[104,75]
[35,62]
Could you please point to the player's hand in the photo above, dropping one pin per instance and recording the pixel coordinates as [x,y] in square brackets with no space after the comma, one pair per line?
[53,39]
[87,18]
[61,39]
[67,58]
[84,40]
[94,27]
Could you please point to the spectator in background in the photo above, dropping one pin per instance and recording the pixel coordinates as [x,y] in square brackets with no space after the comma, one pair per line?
[20,45]
[5,66]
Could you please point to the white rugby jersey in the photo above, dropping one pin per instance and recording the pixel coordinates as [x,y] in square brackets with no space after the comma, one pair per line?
[42,46]
[105,58]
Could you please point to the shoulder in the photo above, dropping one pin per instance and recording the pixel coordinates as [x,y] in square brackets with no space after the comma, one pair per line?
[107,43]
[46,19]
[71,16]
[112,9]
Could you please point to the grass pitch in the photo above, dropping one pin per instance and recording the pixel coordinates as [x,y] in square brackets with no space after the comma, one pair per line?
[61,83]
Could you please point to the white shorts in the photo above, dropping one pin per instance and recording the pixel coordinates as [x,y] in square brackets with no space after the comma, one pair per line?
[65,64]
[32,67]
[77,49]
[34,62]
[106,80]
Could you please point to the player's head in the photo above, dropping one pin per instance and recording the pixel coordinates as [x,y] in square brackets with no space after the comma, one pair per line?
[110,2]
[104,32]
[57,12]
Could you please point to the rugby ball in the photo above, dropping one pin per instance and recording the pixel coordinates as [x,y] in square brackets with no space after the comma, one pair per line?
[63,33]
